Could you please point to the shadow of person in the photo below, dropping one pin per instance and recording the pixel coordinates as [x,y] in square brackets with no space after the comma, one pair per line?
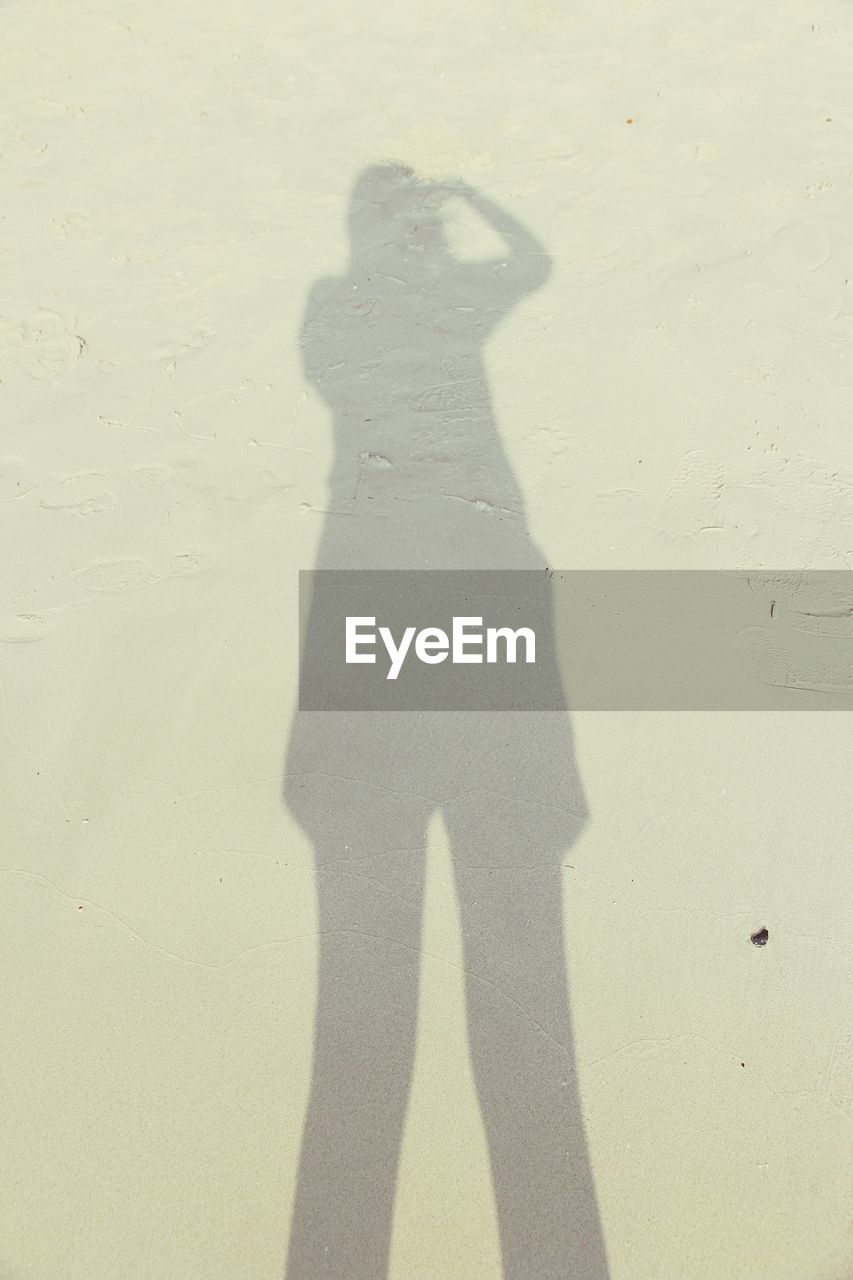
[420,480]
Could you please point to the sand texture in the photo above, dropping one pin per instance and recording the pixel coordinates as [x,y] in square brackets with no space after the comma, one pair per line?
[602,319]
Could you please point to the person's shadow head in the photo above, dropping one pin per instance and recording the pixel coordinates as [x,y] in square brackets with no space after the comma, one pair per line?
[395,215]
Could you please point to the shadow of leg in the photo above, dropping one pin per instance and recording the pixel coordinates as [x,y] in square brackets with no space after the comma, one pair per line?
[520,1033]
[370,874]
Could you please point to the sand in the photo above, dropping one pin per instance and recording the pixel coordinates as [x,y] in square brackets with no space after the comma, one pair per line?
[677,394]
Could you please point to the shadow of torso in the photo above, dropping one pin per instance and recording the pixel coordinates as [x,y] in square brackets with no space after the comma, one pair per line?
[420,477]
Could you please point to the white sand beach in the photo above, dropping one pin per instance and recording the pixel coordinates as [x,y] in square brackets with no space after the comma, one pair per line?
[677,394]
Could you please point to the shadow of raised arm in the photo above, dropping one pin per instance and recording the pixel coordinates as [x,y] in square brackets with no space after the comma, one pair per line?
[528,265]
